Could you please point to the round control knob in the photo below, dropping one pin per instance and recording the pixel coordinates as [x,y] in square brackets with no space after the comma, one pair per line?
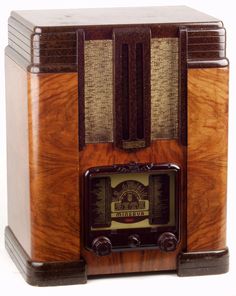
[167,242]
[101,246]
[134,240]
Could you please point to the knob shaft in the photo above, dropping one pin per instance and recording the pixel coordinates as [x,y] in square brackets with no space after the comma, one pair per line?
[101,246]
[134,240]
[167,242]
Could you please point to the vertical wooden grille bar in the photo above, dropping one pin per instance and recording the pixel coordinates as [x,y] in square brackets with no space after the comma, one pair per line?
[125,91]
[139,90]
[132,116]
[183,116]
[80,68]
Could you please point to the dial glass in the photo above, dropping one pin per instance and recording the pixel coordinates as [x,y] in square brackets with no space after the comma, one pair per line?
[132,200]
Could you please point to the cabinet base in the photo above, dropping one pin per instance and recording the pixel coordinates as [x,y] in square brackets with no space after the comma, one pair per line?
[203,263]
[69,273]
[44,273]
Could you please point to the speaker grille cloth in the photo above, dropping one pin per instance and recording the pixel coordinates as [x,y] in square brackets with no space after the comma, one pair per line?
[164,88]
[99,89]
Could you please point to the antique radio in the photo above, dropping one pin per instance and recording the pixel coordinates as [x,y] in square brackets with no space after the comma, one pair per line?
[117,143]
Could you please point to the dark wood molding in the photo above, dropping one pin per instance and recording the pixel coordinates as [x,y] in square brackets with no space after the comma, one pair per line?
[132,167]
[81,102]
[44,273]
[206,43]
[54,48]
[183,113]
[132,87]
[203,263]
[219,63]
[37,68]
[68,68]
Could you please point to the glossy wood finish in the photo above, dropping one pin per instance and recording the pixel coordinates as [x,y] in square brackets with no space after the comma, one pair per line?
[203,263]
[55,48]
[134,261]
[44,273]
[33,20]
[17,153]
[207,158]
[203,43]
[53,144]
[182,84]
[132,87]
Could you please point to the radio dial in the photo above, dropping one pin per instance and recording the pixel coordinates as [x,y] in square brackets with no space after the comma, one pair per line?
[101,246]
[167,242]
[134,240]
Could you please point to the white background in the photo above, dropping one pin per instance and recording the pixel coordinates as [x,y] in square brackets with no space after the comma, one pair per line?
[10,279]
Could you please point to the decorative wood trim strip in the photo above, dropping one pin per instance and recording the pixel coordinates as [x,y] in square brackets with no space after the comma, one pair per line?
[52,49]
[16,57]
[15,32]
[132,88]
[51,68]
[206,39]
[14,23]
[206,47]
[183,116]
[203,263]
[44,273]
[193,32]
[81,102]
[19,44]
[220,63]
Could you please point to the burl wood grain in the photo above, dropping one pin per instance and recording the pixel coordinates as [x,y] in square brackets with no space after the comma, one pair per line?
[54,167]
[53,150]
[134,261]
[207,158]
[17,153]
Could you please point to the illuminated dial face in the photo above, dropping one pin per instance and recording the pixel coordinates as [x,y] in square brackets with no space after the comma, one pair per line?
[130,205]
[126,201]
[129,202]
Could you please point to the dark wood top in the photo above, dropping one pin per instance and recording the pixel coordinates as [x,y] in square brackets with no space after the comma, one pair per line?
[46,40]
[35,19]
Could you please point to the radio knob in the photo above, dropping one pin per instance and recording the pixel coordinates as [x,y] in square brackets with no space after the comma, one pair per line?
[101,246]
[167,242]
[134,241]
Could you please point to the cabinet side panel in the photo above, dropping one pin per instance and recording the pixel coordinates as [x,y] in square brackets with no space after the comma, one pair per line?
[17,153]
[207,158]
[53,137]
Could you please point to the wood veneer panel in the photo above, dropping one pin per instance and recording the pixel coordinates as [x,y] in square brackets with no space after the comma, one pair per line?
[17,153]
[53,142]
[207,158]
[134,261]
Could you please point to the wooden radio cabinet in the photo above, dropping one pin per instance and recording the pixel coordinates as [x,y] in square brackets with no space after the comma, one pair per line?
[116,143]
